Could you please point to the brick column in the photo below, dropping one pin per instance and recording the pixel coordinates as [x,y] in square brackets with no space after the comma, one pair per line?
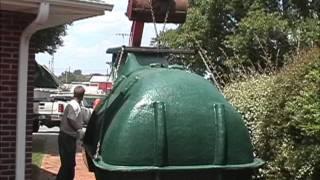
[11,26]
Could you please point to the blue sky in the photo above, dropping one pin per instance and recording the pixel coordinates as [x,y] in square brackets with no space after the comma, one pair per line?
[87,40]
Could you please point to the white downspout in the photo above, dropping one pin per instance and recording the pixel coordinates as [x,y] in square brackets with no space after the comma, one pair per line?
[36,25]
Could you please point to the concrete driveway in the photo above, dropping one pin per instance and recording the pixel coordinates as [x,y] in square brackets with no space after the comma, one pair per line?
[51,160]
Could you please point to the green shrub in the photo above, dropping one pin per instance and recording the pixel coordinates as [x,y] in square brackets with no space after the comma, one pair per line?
[282,112]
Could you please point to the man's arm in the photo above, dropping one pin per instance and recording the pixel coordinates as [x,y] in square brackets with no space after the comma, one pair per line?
[86,114]
[74,124]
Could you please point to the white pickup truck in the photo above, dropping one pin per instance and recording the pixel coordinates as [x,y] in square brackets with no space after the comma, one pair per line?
[49,111]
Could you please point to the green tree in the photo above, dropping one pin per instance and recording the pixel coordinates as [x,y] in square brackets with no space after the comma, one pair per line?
[48,40]
[247,33]
[75,76]
[261,40]
[208,24]
[77,72]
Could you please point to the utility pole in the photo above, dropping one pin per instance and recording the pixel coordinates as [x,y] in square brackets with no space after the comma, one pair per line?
[66,76]
[52,64]
[67,72]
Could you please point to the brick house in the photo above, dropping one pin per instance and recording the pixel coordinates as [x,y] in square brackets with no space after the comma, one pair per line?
[19,19]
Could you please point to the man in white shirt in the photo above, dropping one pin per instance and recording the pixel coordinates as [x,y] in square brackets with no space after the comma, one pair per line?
[70,131]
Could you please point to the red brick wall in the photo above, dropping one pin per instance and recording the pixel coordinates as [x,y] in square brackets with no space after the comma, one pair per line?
[11,27]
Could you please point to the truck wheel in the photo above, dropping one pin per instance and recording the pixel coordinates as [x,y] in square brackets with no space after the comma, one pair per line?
[36,126]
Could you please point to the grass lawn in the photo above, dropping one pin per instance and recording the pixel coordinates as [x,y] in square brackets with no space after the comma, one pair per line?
[37,155]
[37,159]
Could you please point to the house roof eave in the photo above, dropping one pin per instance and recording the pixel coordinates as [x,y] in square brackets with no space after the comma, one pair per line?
[61,11]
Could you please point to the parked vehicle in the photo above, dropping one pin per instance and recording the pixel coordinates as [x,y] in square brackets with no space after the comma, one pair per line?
[48,111]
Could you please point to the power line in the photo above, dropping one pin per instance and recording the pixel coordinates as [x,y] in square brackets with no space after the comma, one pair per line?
[123,35]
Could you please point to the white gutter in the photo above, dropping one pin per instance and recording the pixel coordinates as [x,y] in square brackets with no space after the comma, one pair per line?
[94,5]
[36,25]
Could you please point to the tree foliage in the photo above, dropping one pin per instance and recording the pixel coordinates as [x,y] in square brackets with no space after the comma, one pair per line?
[247,33]
[75,76]
[48,40]
[250,45]
[260,40]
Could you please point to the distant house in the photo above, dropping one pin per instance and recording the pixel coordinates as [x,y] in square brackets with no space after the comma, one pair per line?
[91,89]
[19,20]
[103,82]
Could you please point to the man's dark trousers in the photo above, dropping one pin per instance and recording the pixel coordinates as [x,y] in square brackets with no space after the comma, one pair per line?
[67,151]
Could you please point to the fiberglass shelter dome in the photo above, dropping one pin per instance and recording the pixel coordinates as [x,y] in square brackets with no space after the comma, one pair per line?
[163,122]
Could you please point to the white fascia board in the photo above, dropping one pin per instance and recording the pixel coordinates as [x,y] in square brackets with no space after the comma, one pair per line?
[61,12]
[89,5]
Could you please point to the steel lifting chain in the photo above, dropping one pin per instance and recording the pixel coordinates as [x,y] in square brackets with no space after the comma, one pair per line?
[205,60]
[166,17]
[154,19]
[119,62]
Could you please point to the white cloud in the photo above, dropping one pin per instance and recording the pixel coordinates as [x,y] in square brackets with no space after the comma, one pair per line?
[87,40]
[89,59]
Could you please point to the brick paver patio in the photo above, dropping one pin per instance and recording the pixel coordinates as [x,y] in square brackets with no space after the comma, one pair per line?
[51,160]
[51,164]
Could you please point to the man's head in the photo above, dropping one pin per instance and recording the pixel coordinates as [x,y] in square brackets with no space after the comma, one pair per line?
[78,92]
